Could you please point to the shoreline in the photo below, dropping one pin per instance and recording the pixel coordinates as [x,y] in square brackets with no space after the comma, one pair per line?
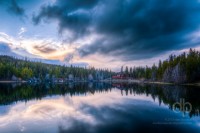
[10,81]
[151,82]
[115,81]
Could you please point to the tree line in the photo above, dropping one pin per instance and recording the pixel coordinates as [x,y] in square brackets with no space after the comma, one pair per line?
[26,69]
[178,69]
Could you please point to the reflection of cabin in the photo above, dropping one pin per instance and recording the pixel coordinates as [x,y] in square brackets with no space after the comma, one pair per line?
[120,76]
[117,85]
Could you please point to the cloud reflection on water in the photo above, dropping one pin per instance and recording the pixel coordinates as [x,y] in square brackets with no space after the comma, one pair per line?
[99,112]
[62,108]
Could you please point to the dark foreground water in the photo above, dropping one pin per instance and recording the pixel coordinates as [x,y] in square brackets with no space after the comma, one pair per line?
[99,108]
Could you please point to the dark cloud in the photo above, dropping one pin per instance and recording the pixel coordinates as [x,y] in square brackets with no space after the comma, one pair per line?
[15,8]
[74,15]
[44,49]
[131,29]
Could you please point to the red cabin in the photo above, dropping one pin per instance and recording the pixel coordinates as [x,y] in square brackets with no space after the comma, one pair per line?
[119,76]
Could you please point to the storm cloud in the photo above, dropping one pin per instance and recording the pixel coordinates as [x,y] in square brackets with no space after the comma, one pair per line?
[15,8]
[74,16]
[129,29]
[12,7]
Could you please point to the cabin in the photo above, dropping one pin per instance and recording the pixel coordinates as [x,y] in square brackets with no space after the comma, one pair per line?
[120,76]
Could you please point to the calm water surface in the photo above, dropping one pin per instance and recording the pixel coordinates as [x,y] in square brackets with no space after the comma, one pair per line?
[97,108]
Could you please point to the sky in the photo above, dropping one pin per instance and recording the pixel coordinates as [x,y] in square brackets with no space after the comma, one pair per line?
[99,33]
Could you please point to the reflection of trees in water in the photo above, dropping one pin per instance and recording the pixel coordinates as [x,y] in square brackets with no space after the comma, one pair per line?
[167,94]
[24,92]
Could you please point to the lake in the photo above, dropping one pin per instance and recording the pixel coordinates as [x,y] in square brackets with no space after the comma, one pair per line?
[99,108]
